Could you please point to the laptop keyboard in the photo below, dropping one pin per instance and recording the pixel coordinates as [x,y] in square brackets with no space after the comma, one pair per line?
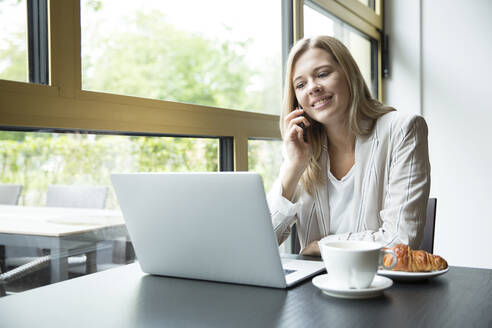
[287,271]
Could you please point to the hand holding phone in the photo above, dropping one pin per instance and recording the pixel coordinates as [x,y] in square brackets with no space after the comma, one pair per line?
[303,127]
[298,153]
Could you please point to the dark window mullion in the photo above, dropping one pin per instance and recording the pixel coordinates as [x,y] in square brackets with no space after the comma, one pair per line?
[372,4]
[226,154]
[37,26]
[287,31]
[374,69]
[287,42]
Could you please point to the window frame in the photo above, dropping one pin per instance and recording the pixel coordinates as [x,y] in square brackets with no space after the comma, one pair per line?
[62,104]
[37,40]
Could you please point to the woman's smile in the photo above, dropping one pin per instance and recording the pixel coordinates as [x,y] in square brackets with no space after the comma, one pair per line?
[322,102]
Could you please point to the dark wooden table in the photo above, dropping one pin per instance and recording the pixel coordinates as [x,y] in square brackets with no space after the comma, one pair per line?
[125,297]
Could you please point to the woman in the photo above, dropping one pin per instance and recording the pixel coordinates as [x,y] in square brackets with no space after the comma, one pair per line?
[353,168]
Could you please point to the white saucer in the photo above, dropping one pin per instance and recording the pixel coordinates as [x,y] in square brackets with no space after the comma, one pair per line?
[377,287]
[411,276]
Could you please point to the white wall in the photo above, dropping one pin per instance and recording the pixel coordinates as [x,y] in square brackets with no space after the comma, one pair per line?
[451,75]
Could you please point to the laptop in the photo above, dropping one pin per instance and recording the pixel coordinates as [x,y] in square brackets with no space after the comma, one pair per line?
[209,226]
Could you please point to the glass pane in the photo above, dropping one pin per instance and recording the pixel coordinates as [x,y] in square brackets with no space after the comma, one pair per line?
[13,40]
[265,157]
[37,160]
[59,173]
[216,53]
[371,4]
[360,46]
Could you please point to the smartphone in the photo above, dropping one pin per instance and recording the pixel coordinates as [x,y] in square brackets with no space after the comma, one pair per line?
[304,128]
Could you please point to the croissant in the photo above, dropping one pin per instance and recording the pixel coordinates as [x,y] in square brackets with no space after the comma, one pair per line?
[414,260]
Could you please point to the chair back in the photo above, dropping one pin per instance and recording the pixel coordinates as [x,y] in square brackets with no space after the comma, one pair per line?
[10,193]
[2,290]
[76,196]
[295,244]
[430,225]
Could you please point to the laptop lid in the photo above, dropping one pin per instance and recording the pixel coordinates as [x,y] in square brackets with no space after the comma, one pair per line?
[211,226]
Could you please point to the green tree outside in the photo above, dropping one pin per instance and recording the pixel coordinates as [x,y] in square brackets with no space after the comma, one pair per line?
[153,59]
[67,159]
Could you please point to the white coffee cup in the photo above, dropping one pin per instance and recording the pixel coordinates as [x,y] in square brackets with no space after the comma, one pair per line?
[353,264]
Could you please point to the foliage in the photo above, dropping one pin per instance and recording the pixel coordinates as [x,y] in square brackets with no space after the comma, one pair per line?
[153,59]
[70,159]
[264,157]
[14,59]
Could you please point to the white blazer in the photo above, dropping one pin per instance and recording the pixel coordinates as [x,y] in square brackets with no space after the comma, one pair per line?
[391,189]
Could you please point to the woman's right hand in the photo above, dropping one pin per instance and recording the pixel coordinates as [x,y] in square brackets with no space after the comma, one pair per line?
[298,151]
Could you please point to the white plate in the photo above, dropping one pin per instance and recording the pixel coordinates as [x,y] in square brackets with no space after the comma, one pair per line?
[378,285]
[411,276]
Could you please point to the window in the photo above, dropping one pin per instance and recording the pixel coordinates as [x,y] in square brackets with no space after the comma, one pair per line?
[24,41]
[13,40]
[221,53]
[37,160]
[364,50]
[264,158]
[368,3]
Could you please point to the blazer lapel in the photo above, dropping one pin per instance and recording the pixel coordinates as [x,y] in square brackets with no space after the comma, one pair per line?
[365,149]
[321,193]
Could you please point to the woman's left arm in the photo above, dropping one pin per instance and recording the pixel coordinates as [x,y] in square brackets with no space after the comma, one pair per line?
[405,203]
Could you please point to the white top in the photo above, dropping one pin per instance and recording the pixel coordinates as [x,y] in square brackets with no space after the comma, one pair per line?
[340,198]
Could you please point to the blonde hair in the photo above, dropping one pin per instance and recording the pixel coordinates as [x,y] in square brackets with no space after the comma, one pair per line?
[363,110]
